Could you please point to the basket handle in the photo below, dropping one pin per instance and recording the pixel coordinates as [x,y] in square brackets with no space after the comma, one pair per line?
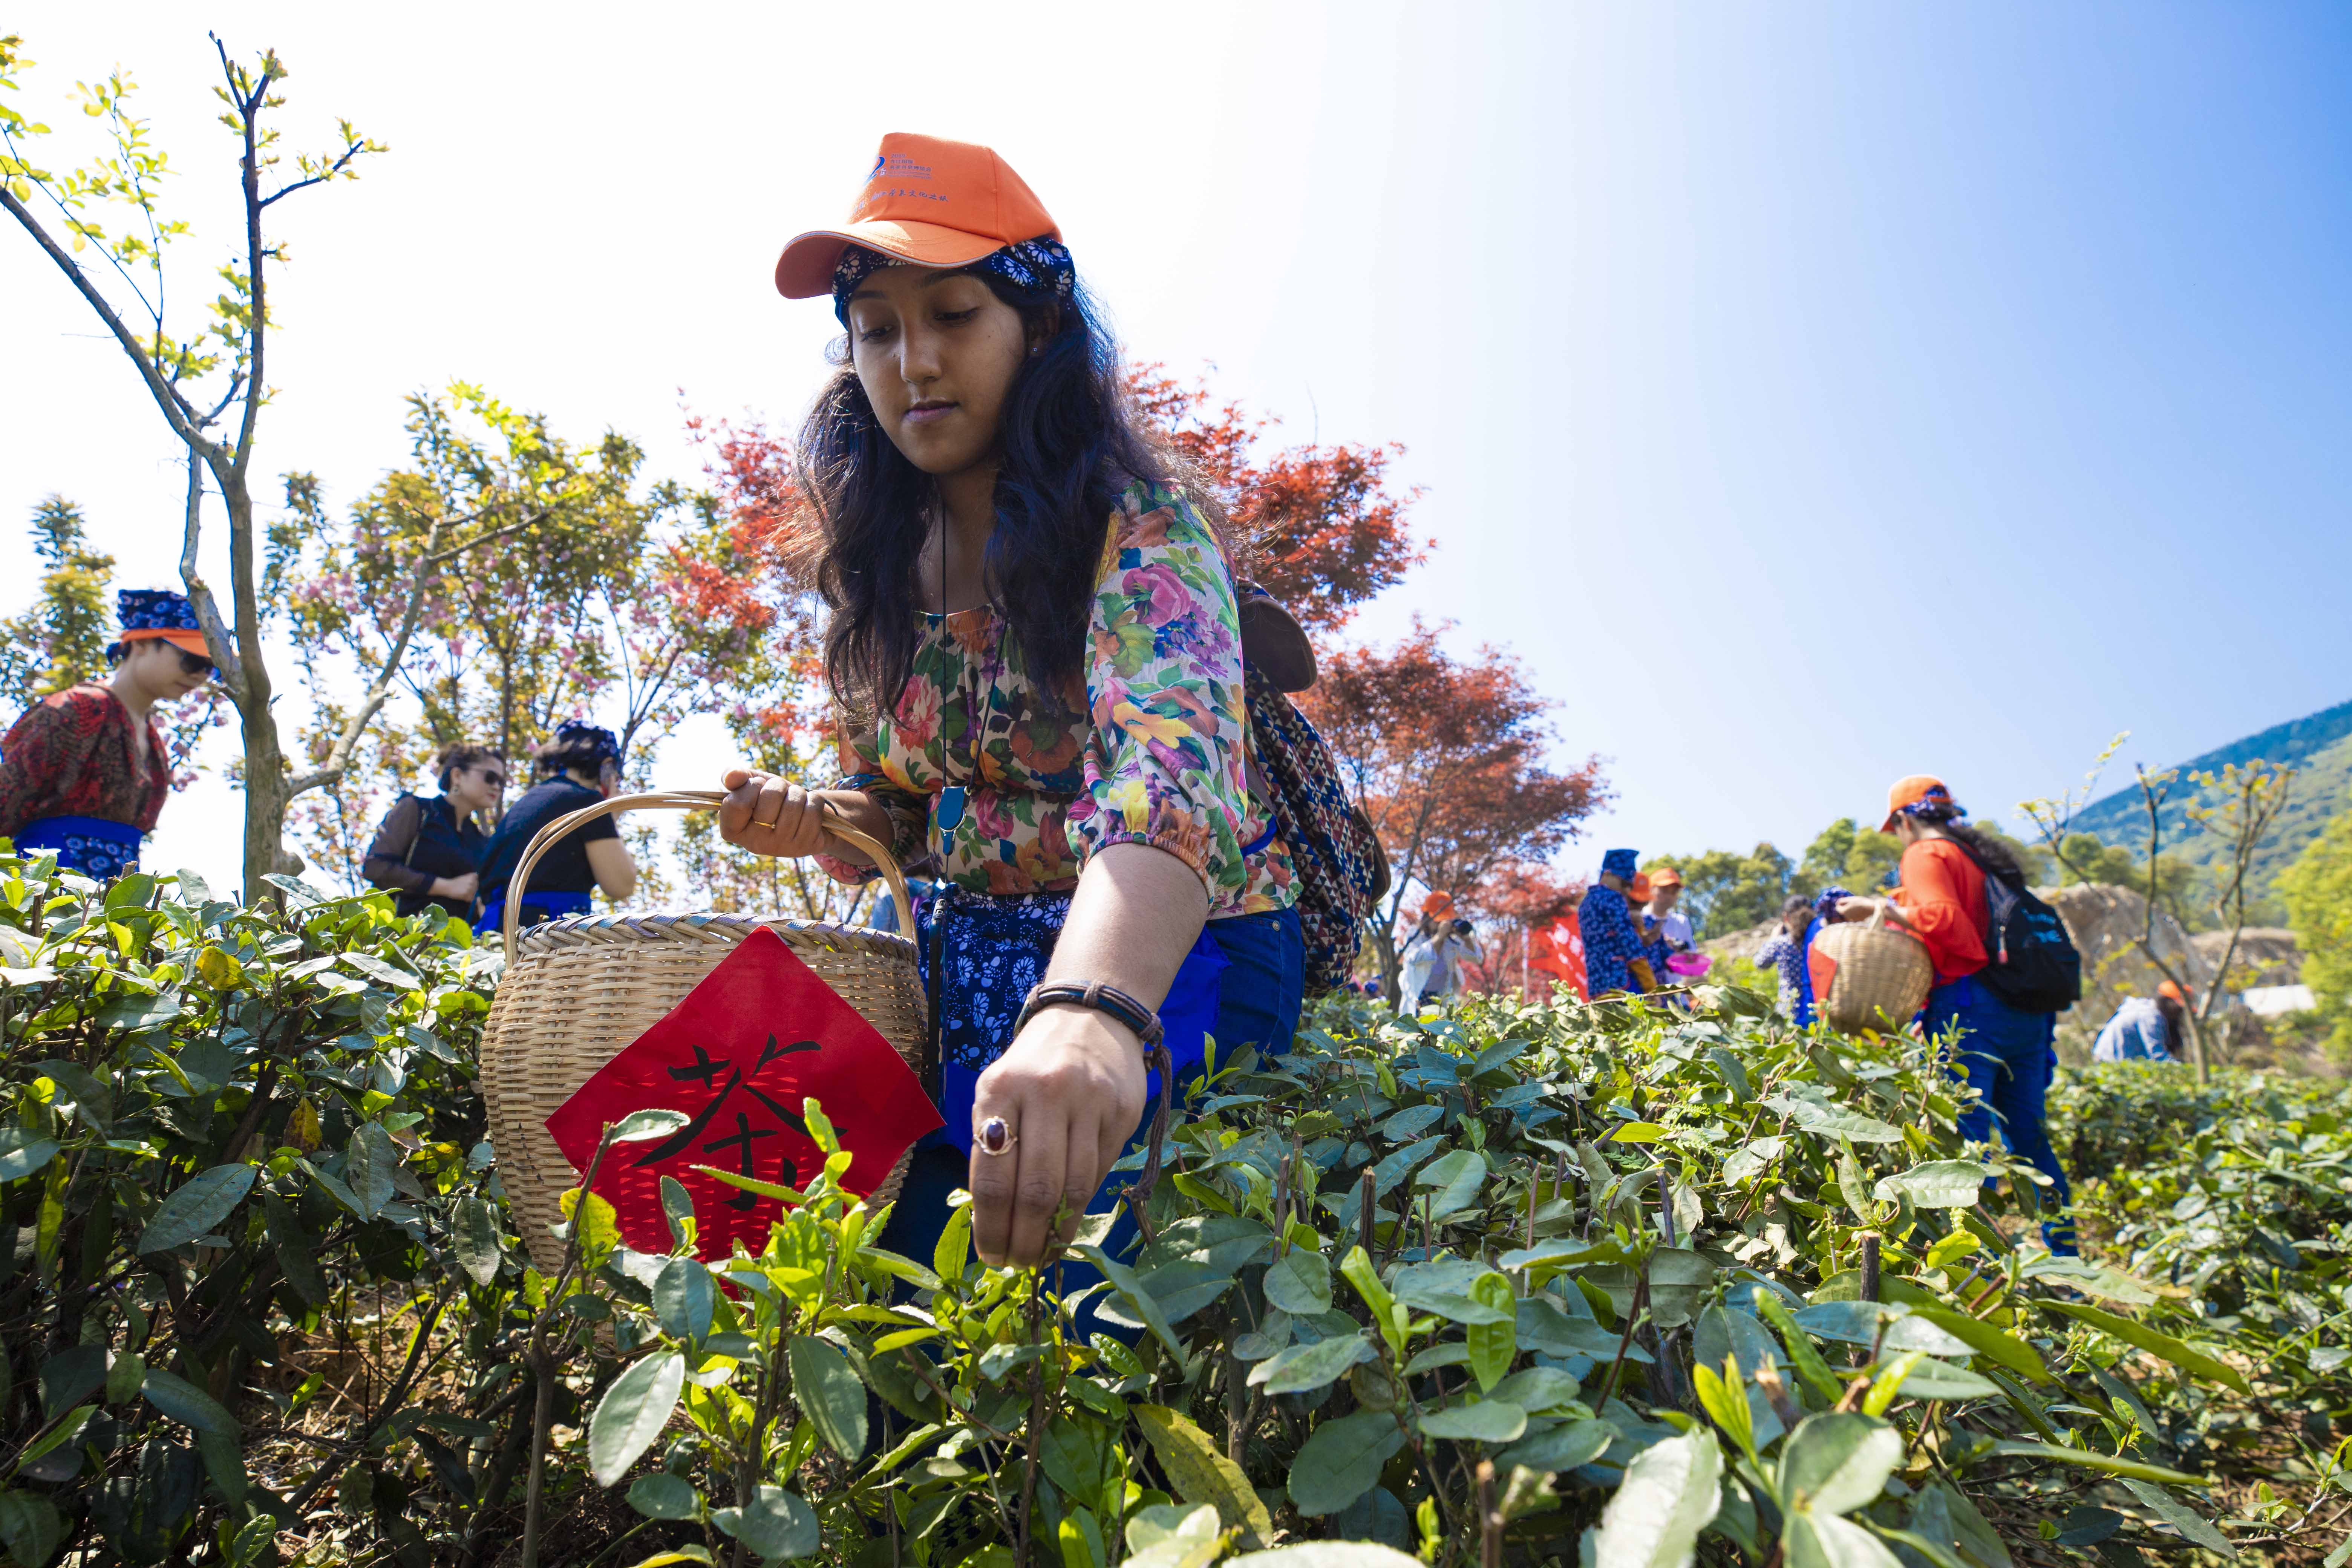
[1885,908]
[835,826]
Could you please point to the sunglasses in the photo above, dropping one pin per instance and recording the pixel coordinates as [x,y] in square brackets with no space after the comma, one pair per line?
[195,663]
[493,778]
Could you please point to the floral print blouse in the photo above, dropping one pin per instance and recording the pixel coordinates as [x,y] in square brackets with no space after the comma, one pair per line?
[1000,785]
[73,753]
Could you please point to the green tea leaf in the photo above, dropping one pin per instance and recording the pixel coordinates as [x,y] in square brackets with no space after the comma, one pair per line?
[183,1402]
[1564,1448]
[1492,1345]
[368,1161]
[684,1297]
[196,1208]
[2161,1345]
[1487,1421]
[1197,1468]
[1456,1177]
[1299,1282]
[2132,1469]
[829,1392]
[1935,1184]
[664,1496]
[1341,1459]
[1836,1463]
[475,1237]
[1670,1493]
[632,1414]
[775,1524]
[1303,1367]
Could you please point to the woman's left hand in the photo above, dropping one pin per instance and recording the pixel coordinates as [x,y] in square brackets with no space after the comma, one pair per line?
[1070,1090]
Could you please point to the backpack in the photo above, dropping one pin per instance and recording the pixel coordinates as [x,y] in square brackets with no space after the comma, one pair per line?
[2032,963]
[1339,870]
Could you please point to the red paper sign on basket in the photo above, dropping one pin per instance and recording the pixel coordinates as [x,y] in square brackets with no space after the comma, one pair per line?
[759,1036]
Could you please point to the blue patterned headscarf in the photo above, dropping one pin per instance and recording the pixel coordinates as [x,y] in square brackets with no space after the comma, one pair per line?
[1035,266]
[1826,904]
[572,733]
[1625,863]
[153,610]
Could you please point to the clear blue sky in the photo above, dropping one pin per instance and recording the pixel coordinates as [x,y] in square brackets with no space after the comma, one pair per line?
[1812,395]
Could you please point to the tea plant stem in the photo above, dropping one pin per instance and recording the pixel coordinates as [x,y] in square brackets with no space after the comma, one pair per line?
[1364,1211]
[542,1365]
[1490,1519]
[1625,1340]
[1036,1433]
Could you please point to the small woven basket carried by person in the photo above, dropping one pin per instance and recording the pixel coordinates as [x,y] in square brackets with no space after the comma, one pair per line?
[579,991]
[1881,977]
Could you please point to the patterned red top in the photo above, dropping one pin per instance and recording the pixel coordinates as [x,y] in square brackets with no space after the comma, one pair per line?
[71,755]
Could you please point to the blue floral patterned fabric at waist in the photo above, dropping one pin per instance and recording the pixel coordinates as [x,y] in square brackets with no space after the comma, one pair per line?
[98,850]
[981,957]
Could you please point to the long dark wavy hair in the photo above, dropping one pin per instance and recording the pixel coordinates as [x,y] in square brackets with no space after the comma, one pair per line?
[1991,852]
[1069,442]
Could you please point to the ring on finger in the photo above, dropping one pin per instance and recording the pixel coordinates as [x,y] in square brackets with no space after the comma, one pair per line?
[996,1138]
[769,826]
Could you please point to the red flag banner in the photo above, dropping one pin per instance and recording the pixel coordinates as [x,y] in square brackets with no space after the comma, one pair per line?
[1558,949]
[759,1036]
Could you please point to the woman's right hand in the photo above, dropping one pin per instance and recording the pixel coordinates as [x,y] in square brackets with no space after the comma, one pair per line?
[769,816]
[456,887]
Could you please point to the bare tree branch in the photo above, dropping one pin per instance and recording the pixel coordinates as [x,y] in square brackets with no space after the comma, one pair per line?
[177,411]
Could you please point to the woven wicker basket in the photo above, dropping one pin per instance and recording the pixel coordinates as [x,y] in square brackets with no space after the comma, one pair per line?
[1882,976]
[578,991]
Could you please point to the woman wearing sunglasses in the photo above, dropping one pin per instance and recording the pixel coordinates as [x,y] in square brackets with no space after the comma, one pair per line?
[429,851]
[84,771]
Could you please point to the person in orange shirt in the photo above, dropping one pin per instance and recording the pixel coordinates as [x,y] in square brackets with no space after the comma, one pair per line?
[2007,1056]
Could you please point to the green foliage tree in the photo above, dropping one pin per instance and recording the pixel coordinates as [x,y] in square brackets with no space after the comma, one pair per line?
[2317,887]
[61,640]
[1724,891]
[577,591]
[1847,855]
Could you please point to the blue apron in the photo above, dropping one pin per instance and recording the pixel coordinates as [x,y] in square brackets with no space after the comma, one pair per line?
[98,850]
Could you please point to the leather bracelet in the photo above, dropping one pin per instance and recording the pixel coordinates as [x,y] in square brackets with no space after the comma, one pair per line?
[1101,999]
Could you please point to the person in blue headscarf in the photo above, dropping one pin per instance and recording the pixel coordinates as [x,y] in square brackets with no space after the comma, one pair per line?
[578,768]
[1789,952]
[84,772]
[1613,958]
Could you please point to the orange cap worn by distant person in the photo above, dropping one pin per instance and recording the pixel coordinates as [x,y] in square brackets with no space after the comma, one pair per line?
[1640,891]
[2171,990]
[1438,906]
[930,201]
[1666,876]
[1919,789]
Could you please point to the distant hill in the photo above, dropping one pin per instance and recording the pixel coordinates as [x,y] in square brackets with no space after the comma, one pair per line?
[2318,746]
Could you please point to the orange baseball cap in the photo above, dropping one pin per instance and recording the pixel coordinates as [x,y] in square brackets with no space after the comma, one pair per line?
[2170,989]
[1641,889]
[1913,791]
[927,201]
[1666,876]
[1439,903]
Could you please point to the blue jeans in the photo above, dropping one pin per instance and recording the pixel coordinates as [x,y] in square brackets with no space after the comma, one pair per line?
[2009,1057]
[1259,994]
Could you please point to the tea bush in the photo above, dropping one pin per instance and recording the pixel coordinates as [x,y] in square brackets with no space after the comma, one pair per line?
[1607,1284]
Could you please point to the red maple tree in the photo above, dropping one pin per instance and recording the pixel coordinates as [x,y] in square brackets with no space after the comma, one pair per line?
[1319,527]
[1449,759]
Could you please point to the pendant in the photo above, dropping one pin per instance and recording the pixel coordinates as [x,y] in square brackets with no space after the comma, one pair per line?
[948,810]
